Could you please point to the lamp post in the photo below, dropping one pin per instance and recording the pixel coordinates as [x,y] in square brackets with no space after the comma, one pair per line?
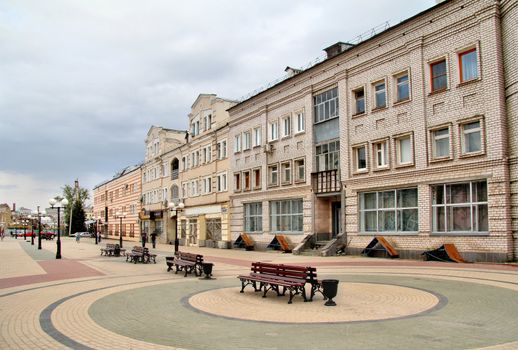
[58,204]
[31,217]
[25,229]
[120,215]
[97,219]
[174,209]
[39,226]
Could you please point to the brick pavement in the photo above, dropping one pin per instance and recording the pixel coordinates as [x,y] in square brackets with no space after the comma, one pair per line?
[123,305]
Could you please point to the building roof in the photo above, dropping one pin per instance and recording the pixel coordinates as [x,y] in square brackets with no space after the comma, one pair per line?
[120,173]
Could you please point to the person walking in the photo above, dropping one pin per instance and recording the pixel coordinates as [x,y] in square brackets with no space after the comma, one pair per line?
[2,233]
[153,239]
[144,239]
[99,237]
[78,237]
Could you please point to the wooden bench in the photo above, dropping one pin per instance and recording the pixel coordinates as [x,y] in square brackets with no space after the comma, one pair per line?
[111,248]
[186,262]
[244,241]
[140,254]
[266,276]
[446,252]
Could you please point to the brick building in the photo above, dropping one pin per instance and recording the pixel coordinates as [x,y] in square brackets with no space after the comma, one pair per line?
[411,134]
[121,194]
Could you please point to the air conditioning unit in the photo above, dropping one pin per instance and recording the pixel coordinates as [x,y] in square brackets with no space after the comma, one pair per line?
[268,148]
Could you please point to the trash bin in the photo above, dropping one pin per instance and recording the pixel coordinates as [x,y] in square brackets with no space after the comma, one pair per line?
[117,250]
[330,290]
[207,270]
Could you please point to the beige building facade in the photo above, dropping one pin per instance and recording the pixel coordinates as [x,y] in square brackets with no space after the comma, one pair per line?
[155,186]
[408,134]
[199,176]
[121,194]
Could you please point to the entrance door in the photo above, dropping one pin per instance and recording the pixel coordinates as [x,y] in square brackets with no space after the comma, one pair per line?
[337,214]
[193,231]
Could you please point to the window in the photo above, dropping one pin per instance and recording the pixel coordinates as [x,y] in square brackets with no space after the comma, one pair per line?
[471,137]
[222,149]
[300,122]
[194,188]
[286,172]
[380,150]
[441,143]
[439,75]
[208,122]
[328,156]
[257,136]
[273,172]
[222,182]
[247,140]
[184,163]
[257,178]
[402,87]
[299,170]
[237,143]
[273,132]
[380,95]
[237,182]
[253,217]
[286,126]
[468,63]
[360,156]
[389,211]
[286,216]
[246,181]
[359,101]
[207,154]
[207,185]
[404,152]
[460,207]
[326,105]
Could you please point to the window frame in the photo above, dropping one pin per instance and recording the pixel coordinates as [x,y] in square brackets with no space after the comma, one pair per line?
[273,126]
[286,130]
[355,100]
[433,142]
[207,179]
[237,143]
[385,151]
[300,118]
[295,176]
[471,204]
[397,149]
[244,175]
[286,166]
[247,140]
[222,151]
[356,148]
[270,173]
[431,64]
[257,137]
[462,52]
[316,105]
[257,217]
[462,138]
[220,187]
[396,76]
[292,216]
[256,186]
[374,84]
[237,182]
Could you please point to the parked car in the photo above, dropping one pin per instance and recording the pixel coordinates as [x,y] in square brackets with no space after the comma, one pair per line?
[84,234]
[27,234]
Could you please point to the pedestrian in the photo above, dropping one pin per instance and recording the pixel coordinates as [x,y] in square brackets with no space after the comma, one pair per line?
[99,237]
[2,233]
[153,239]
[144,239]
[78,237]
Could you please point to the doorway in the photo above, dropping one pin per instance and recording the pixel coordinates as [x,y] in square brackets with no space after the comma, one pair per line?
[336,208]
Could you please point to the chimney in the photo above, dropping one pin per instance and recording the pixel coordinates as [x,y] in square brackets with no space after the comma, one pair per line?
[337,48]
[292,71]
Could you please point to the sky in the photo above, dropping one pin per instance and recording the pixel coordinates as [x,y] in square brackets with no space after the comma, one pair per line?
[82,81]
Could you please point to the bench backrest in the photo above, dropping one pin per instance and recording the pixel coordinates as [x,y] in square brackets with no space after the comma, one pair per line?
[196,258]
[139,250]
[290,271]
[110,246]
[248,241]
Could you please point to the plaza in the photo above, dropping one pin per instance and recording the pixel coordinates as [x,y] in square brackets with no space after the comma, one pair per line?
[88,301]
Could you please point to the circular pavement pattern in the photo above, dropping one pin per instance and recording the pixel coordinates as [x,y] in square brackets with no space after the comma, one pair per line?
[469,315]
[355,302]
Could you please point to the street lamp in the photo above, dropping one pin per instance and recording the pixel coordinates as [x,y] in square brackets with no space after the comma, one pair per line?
[120,215]
[31,217]
[97,221]
[174,209]
[38,214]
[58,205]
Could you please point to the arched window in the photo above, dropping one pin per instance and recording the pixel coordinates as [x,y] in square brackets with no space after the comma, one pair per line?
[175,194]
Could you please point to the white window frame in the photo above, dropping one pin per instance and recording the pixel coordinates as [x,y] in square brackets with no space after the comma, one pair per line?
[384,152]
[207,185]
[434,137]
[355,100]
[463,133]
[296,167]
[273,131]
[286,126]
[257,136]
[300,124]
[375,93]
[238,178]
[258,186]
[222,149]
[397,144]
[222,182]
[257,217]
[270,175]
[243,178]
[286,168]
[396,86]
[237,143]
[247,140]
[356,150]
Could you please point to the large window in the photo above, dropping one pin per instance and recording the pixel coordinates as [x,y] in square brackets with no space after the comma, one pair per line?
[273,131]
[222,149]
[328,156]
[286,126]
[253,217]
[237,143]
[300,122]
[439,75]
[404,152]
[257,136]
[286,216]
[222,182]
[471,137]
[389,211]
[460,207]
[360,158]
[326,105]
[468,63]
[247,140]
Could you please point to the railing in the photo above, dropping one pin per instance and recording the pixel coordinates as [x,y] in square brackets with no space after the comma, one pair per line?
[326,181]
[174,174]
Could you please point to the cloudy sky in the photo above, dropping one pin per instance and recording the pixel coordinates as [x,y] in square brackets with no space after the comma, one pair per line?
[81,81]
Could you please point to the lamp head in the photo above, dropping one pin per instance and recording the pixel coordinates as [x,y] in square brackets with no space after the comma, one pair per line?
[64,202]
[181,205]
[171,205]
[52,202]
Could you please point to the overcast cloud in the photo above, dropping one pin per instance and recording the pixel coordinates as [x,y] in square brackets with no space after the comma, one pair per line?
[81,82]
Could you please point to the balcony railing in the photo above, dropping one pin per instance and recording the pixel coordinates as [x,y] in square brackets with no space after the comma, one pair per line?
[174,174]
[326,181]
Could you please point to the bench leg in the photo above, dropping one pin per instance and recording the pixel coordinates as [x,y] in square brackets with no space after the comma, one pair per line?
[254,283]
[177,269]
[266,289]
[291,296]
[243,285]
[303,292]
[187,270]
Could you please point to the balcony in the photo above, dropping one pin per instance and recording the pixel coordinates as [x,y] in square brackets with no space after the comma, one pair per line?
[174,174]
[326,182]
